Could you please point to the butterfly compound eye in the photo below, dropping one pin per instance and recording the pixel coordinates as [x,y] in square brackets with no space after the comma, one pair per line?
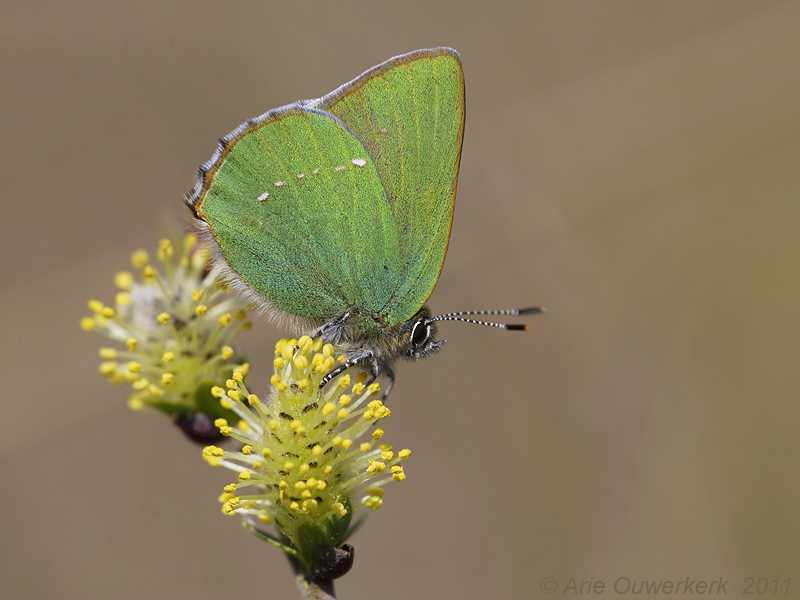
[420,334]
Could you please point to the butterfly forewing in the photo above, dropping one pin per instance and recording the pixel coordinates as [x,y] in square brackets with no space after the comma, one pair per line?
[295,202]
[409,114]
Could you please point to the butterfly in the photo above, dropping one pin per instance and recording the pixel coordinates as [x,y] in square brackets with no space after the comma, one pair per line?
[333,215]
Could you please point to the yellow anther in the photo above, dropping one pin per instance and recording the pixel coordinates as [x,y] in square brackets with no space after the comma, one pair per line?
[165,250]
[163,317]
[339,508]
[227,352]
[225,319]
[387,455]
[243,368]
[373,502]
[122,299]
[300,363]
[266,452]
[189,240]
[213,451]
[227,509]
[235,396]
[317,450]
[200,310]
[311,482]
[321,485]
[306,494]
[317,345]
[168,356]
[108,368]
[131,344]
[243,425]
[237,376]
[95,306]
[108,353]
[328,408]
[294,424]
[404,454]
[358,388]
[398,475]
[288,466]
[328,350]
[257,464]
[337,441]
[148,272]
[304,468]
[220,422]
[140,383]
[244,475]
[375,467]
[252,400]
[139,258]
[377,434]
[374,388]
[154,390]
[230,384]
[294,507]
[265,517]
[230,488]
[300,485]
[166,378]
[278,362]
[303,384]
[305,343]
[123,280]
[134,367]
[273,424]
[376,491]
[344,381]
[87,323]
[344,399]
[226,431]
[217,391]
[364,447]
[198,294]
[107,312]
[239,314]
[275,380]
[342,414]
[346,444]
[225,403]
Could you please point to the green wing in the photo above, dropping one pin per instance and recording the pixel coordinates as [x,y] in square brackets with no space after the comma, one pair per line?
[297,208]
[409,114]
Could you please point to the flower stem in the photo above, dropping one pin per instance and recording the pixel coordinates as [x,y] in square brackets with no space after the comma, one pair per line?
[312,589]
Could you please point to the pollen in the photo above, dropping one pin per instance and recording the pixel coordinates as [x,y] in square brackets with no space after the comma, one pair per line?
[244,475]
[167,378]
[198,295]
[87,323]
[163,317]
[377,434]
[200,310]
[404,454]
[168,356]
[225,319]
[227,352]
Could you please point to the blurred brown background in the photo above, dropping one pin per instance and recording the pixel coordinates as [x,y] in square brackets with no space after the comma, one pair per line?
[633,166]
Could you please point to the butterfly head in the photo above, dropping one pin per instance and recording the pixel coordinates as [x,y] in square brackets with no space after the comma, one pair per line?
[419,336]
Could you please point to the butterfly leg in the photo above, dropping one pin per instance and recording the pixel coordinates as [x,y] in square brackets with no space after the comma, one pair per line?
[353,360]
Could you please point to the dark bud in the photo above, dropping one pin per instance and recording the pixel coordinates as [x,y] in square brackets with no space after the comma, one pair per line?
[334,563]
[198,427]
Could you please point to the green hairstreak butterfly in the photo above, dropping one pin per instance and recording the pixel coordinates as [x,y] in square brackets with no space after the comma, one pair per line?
[333,215]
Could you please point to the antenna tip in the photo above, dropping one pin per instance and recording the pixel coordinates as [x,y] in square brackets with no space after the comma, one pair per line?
[533,310]
[517,327]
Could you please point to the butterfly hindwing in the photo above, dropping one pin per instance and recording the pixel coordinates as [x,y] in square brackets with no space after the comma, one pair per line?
[298,210]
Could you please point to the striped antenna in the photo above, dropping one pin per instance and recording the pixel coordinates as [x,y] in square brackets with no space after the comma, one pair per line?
[458,316]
